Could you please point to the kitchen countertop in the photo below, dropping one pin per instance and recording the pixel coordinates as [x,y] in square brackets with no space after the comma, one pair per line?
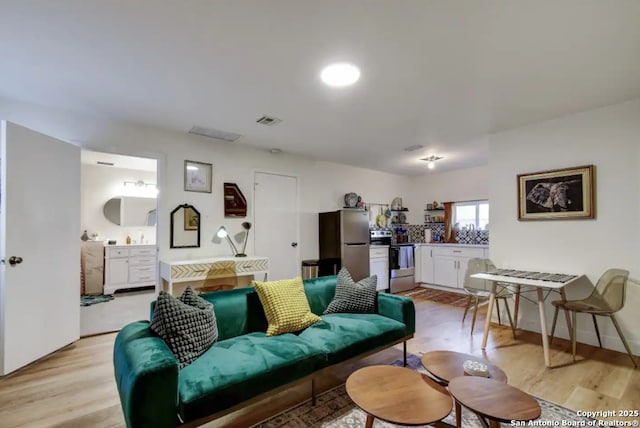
[433,244]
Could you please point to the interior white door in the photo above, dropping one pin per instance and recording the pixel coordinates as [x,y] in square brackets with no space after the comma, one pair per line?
[276,218]
[39,227]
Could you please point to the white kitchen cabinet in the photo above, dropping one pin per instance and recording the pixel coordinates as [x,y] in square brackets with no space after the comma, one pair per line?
[445,271]
[379,265]
[446,264]
[129,266]
[426,265]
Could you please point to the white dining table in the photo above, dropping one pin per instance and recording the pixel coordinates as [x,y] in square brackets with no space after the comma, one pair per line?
[540,286]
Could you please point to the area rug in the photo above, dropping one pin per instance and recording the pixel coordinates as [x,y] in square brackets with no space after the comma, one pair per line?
[88,300]
[439,296]
[334,409]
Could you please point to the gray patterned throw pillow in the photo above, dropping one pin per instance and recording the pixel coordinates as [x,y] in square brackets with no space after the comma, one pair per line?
[187,324]
[353,297]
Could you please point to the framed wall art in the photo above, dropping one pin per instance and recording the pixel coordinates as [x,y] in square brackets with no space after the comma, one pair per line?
[557,195]
[191,219]
[197,176]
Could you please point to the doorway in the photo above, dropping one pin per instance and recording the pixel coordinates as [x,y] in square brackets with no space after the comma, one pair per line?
[118,250]
[277,218]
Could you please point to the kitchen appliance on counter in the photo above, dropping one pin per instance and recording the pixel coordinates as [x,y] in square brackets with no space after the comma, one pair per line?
[402,267]
[344,241]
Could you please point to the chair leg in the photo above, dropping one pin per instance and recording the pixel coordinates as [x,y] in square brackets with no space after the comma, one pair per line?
[624,341]
[513,329]
[498,309]
[573,335]
[475,312]
[553,326]
[595,324]
[466,309]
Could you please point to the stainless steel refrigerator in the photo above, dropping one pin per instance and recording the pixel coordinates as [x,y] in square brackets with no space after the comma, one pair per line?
[344,241]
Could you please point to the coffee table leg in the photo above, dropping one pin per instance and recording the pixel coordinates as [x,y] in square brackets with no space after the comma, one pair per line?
[487,323]
[369,423]
[458,414]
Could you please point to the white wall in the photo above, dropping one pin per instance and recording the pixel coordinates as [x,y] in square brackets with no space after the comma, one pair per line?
[101,183]
[322,184]
[467,184]
[608,138]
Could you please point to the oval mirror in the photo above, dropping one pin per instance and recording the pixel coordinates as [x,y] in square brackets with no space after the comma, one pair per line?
[131,211]
[185,227]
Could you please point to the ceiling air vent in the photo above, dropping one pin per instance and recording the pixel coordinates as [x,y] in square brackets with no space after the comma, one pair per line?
[268,120]
[413,148]
[105,163]
[214,133]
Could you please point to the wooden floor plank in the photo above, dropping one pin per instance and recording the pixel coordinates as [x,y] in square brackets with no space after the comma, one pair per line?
[75,387]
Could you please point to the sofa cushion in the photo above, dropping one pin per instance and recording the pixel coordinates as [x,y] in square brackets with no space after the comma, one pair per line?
[187,324]
[237,369]
[343,336]
[285,305]
[238,312]
[354,297]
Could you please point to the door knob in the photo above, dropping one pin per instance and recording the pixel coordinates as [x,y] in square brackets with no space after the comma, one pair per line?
[13,260]
[294,244]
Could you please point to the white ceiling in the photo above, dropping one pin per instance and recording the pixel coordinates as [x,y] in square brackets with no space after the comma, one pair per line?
[442,74]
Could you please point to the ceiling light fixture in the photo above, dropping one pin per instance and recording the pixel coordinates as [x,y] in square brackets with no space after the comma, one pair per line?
[431,161]
[340,74]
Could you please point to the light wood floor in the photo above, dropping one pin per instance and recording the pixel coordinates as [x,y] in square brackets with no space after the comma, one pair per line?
[75,387]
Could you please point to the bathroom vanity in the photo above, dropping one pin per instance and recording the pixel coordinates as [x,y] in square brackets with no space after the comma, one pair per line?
[129,266]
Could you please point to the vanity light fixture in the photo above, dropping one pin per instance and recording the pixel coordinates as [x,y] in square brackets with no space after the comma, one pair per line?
[431,161]
[139,184]
[340,74]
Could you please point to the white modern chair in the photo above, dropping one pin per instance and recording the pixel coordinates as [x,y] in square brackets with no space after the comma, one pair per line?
[476,289]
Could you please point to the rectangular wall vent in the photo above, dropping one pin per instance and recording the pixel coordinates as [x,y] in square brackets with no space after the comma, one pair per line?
[214,133]
[268,120]
[413,148]
[105,163]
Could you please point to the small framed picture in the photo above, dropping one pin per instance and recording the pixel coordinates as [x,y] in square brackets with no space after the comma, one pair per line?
[197,176]
[191,219]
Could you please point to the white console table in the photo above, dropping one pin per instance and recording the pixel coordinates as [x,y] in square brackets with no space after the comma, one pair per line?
[211,268]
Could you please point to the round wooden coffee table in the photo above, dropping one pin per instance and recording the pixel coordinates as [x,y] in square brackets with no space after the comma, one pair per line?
[493,400]
[398,395]
[447,365]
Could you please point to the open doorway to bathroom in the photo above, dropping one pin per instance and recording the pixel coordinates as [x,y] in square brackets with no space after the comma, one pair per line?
[118,233]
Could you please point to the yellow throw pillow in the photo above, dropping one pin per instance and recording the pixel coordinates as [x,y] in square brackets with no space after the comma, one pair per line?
[285,305]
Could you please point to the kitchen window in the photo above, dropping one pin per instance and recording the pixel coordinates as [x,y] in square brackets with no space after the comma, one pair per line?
[475,213]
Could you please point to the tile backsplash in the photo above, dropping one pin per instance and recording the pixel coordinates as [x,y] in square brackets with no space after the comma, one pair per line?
[417,234]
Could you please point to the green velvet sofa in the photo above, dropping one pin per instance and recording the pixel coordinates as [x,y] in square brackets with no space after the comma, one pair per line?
[245,363]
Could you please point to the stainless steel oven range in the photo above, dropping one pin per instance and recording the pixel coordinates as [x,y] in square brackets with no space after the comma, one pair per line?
[402,267]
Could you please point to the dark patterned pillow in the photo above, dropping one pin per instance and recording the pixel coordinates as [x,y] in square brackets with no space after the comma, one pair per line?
[187,324]
[353,297]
